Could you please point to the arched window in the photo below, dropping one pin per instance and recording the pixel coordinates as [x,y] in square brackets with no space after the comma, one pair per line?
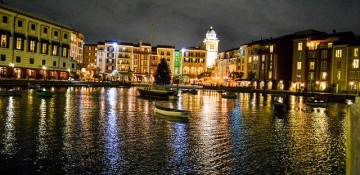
[186,70]
[200,70]
[193,70]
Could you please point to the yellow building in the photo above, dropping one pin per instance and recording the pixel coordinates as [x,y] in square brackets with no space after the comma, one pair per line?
[193,63]
[34,47]
[167,52]
[135,62]
[226,66]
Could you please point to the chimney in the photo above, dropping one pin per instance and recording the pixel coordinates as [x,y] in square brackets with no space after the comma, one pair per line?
[140,43]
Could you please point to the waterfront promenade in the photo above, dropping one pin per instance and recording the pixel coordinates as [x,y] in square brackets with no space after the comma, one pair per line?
[9,83]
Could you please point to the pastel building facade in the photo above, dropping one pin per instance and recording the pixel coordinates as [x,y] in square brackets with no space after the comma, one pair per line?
[35,47]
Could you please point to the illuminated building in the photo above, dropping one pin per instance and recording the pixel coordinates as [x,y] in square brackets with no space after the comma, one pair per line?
[34,47]
[193,63]
[133,62]
[226,66]
[89,61]
[211,45]
[177,63]
[167,52]
[346,69]
[313,59]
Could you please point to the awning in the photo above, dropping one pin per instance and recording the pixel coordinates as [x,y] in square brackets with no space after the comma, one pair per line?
[19,35]
[65,45]
[31,38]
[55,43]
[8,33]
[45,41]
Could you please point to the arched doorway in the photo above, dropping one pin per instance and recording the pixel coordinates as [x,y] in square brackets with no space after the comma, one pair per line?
[269,85]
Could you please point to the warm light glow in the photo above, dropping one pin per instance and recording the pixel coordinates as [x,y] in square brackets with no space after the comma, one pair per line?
[351,83]
[44,67]
[11,64]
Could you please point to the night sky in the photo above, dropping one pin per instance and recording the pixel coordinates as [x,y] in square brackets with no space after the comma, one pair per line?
[183,23]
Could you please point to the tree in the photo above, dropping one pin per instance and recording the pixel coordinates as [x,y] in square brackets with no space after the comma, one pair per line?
[163,73]
[236,75]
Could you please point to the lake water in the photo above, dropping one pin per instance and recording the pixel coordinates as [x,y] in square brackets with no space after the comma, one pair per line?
[86,130]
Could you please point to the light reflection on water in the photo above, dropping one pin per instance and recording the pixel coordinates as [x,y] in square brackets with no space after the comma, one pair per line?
[86,130]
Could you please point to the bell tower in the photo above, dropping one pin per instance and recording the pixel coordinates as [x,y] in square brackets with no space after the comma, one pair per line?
[211,43]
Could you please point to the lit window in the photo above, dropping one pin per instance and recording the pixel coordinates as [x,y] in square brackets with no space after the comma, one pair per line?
[338,53]
[55,50]
[271,49]
[356,52]
[311,75]
[300,45]
[44,48]
[18,43]
[356,63]
[323,75]
[312,65]
[64,52]
[32,46]
[299,65]
[3,41]
[330,45]
[338,73]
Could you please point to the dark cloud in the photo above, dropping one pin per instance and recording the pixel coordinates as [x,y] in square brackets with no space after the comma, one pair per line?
[183,23]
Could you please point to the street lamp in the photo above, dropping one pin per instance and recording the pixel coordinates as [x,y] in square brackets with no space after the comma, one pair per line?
[12,69]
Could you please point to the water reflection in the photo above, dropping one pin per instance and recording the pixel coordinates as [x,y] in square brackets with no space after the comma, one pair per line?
[9,139]
[112,131]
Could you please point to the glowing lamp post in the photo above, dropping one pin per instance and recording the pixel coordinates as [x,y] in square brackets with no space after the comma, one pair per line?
[12,69]
[44,71]
[69,73]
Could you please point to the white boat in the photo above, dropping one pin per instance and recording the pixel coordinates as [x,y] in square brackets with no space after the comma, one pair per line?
[315,102]
[11,92]
[43,93]
[229,95]
[171,112]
